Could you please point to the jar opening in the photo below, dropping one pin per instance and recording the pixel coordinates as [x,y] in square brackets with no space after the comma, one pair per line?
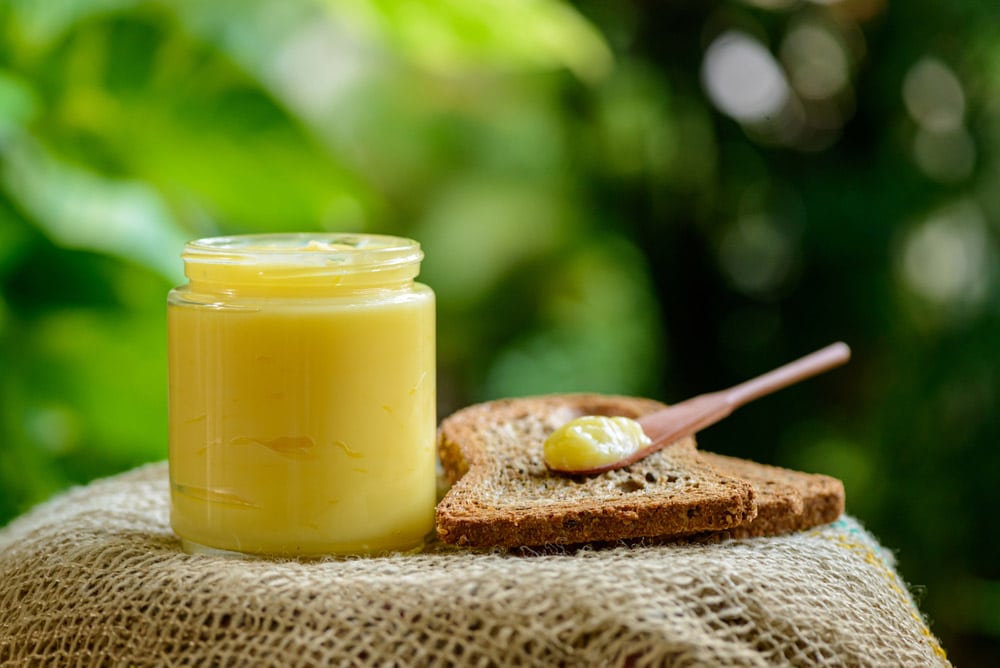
[334,261]
[357,250]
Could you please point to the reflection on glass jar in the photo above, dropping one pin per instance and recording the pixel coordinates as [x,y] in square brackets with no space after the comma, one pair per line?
[302,396]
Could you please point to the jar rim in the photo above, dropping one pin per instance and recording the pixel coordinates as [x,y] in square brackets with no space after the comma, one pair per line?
[322,248]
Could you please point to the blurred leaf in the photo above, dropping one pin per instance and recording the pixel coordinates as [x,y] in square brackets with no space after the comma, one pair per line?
[176,113]
[450,36]
[95,360]
[80,209]
[479,231]
[18,104]
[85,396]
[636,124]
[39,24]
[13,236]
[600,330]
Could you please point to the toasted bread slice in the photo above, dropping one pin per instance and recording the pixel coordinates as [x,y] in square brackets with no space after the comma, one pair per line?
[502,494]
[786,500]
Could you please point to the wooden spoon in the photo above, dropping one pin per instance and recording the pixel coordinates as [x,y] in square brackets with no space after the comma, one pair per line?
[675,422]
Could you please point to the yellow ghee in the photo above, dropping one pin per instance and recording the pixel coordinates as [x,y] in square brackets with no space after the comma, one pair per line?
[302,396]
[593,441]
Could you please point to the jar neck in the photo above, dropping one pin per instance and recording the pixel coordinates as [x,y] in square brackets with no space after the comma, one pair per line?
[298,265]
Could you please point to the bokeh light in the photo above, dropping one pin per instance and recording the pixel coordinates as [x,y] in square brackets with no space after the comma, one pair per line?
[934,96]
[949,257]
[743,79]
[817,62]
[947,157]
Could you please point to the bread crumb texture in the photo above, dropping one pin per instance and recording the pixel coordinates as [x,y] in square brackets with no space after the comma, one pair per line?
[503,494]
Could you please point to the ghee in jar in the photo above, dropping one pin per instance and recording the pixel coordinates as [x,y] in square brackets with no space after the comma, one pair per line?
[302,396]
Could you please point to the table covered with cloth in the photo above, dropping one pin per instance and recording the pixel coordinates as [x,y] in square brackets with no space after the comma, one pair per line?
[96,577]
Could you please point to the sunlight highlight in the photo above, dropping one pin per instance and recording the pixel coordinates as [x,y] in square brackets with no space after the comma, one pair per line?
[743,79]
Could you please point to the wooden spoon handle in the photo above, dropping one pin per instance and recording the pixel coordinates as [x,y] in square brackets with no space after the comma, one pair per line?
[793,372]
[667,425]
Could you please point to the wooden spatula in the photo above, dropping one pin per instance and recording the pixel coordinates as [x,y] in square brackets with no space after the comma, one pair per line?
[675,422]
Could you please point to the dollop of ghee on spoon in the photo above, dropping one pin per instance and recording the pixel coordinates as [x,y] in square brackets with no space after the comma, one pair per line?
[592,442]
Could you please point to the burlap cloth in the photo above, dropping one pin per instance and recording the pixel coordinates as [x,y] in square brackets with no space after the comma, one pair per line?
[95,577]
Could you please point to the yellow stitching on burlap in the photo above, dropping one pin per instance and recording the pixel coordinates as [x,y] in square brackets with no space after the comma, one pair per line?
[868,553]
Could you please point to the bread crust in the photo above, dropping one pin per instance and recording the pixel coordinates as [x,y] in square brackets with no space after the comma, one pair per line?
[787,500]
[503,496]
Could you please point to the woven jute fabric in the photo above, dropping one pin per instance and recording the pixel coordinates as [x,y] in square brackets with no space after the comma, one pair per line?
[96,577]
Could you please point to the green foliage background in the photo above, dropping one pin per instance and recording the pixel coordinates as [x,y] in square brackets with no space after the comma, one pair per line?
[594,218]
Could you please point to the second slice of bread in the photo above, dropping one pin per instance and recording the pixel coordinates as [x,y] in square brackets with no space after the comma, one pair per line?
[502,494]
[787,500]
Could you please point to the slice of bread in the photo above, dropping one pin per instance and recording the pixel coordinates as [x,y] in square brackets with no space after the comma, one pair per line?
[502,494]
[786,500]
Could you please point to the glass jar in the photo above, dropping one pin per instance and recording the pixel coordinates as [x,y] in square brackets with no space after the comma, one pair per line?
[302,396]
